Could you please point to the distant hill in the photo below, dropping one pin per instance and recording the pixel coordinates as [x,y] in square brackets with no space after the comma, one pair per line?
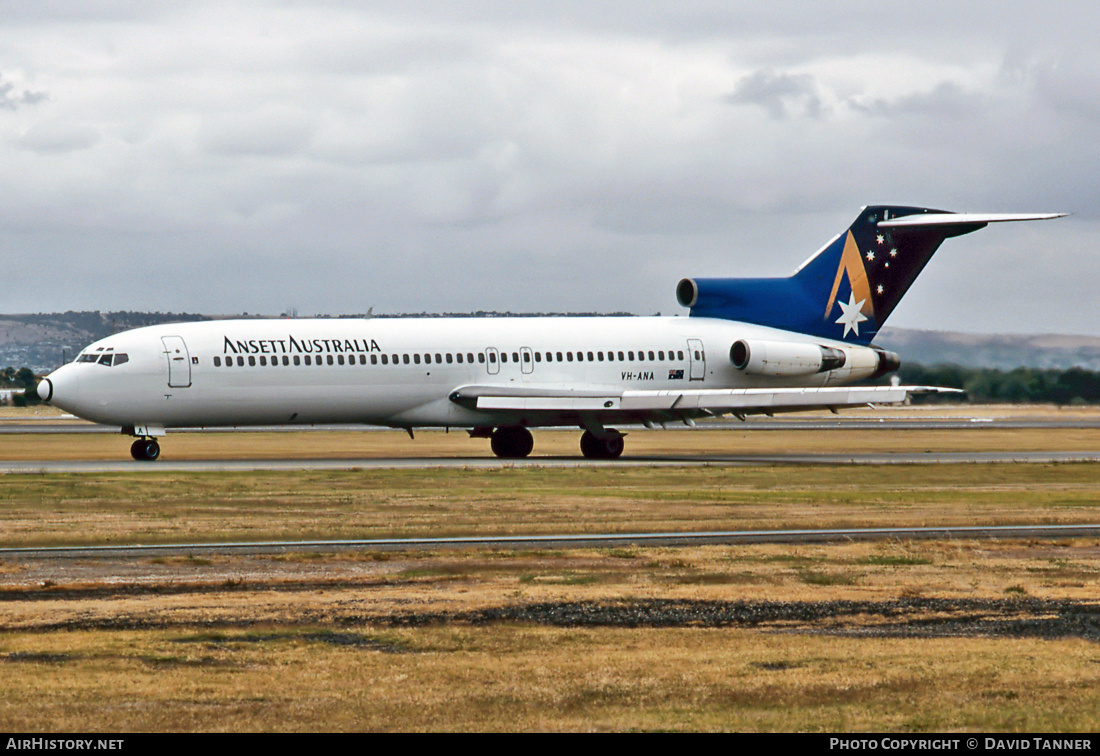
[42,341]
[1002,351]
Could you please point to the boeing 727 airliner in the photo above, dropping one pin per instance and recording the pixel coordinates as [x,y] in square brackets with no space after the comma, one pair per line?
[750,346]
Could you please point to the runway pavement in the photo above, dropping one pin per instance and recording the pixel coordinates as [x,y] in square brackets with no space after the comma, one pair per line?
[925,421]
[593,540]
[480,463]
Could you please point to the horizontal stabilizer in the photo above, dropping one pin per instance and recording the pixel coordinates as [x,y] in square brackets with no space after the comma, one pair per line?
[963,219]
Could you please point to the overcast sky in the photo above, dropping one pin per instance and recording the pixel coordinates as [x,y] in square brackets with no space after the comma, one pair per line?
[545,155]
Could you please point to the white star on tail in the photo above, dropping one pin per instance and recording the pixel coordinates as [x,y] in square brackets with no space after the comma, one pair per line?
[852,316]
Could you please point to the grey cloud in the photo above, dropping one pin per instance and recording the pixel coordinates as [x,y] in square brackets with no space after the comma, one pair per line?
[57,138]
[11,98]
[272,134]
[946,100]
[1069,87]
[782,95]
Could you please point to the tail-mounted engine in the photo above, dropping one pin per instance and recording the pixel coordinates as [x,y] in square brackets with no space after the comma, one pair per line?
[782,358]
[792,358]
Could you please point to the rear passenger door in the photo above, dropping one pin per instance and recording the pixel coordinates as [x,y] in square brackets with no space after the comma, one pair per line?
[697,359]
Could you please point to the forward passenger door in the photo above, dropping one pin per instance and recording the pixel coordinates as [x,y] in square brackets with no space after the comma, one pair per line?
[179,361]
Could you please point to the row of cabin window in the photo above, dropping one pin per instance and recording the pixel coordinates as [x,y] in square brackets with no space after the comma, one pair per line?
[627,356]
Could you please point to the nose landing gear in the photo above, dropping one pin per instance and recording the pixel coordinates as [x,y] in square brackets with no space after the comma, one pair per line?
[145,450]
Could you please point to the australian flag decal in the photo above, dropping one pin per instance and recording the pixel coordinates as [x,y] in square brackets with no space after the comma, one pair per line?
[676,375]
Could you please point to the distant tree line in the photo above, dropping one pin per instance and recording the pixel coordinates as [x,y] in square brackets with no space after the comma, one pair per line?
[22,378]
[1018,386]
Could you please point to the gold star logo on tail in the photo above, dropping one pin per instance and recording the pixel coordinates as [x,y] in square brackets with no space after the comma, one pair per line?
[859,306]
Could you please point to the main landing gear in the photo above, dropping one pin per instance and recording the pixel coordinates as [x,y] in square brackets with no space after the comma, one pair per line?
[515,442]
[511,442]
[609,445]
[145,450]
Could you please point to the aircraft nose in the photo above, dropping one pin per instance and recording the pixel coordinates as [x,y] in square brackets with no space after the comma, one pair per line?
[59,388]
[44,389]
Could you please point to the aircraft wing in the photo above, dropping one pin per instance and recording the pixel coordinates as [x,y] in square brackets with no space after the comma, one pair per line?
[674,403]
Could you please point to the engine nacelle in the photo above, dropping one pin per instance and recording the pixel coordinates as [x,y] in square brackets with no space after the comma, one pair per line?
[783,358]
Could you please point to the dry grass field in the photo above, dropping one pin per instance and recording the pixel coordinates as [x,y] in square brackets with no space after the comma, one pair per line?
[893,636]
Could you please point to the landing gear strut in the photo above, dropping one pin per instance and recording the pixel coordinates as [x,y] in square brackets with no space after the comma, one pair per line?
[145,450]
[512,442]
[609,446]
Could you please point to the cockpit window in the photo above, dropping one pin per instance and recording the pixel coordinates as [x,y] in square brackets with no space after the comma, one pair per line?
[107,359]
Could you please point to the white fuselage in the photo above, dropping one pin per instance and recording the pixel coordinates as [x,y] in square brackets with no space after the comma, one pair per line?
[402,372]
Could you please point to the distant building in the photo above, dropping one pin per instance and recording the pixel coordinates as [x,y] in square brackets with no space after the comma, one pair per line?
[6,396]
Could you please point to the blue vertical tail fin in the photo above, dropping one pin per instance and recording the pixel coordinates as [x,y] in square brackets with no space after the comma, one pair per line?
[848,289]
